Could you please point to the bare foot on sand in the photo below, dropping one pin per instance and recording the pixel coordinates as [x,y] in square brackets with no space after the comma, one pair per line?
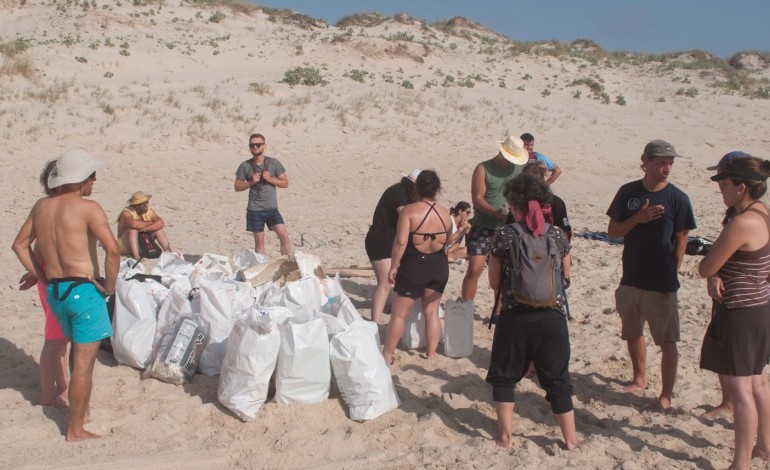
[57,402]
[635,388]
[762,454]
[721,410]
[80,436]
[504,441]
[661,405]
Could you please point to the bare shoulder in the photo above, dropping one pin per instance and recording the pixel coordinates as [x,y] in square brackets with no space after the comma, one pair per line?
[92,209]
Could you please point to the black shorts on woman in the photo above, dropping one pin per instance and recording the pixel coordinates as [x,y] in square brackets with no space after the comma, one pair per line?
[419,271]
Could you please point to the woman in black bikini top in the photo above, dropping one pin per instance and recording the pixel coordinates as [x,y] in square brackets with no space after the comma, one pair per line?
[419,274]
[410,246]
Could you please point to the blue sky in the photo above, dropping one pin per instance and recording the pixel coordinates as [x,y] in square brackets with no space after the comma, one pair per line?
[655,26]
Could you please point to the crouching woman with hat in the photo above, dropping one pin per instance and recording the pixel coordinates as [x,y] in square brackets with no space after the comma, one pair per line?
[737,341]
[525,334]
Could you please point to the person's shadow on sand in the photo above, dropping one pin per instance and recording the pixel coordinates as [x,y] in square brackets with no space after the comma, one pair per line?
[21,372]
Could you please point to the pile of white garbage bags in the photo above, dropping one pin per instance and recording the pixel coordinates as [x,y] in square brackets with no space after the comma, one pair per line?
[251,320]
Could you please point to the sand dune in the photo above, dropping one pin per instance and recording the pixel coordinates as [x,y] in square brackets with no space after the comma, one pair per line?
[168,95]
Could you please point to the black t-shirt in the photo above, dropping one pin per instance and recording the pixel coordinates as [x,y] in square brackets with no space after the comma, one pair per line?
[648,249]
[385,218]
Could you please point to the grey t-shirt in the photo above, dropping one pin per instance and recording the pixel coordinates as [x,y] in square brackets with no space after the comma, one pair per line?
[261,195]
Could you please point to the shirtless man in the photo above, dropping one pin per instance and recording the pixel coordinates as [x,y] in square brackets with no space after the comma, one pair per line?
[66,228]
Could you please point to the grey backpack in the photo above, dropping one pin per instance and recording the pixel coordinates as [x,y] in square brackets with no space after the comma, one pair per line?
[536,267]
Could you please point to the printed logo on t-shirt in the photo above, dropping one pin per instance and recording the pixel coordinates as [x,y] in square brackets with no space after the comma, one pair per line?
[633,204]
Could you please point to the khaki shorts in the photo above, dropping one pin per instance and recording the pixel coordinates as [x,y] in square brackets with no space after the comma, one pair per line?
[659,309]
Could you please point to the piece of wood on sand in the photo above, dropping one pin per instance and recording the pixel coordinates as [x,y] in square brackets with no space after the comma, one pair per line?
[351,271]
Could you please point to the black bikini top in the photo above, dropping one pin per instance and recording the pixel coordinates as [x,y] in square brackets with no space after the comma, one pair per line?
[431,235]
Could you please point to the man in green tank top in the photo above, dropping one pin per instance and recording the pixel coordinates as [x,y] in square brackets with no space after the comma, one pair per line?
[489,206]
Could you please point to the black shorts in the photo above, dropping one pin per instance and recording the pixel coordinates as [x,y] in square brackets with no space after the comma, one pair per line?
[376,249]
[420,272]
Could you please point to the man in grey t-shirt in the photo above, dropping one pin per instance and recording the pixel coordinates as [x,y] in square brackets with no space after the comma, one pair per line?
[261,175]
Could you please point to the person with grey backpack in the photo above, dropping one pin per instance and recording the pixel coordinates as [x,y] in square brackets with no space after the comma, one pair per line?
[528,267]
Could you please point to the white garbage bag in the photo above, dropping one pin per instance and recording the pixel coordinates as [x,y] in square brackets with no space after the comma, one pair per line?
[221,303]
[302,297]
[172,267]
[413,336]
[174,307]
[180,352]
[247,259]
[252,352]
[134,321]
[303,373]
[362,376]
[129,267]
[458,328]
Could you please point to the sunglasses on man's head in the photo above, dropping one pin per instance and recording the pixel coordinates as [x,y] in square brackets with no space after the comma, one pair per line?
[256,145]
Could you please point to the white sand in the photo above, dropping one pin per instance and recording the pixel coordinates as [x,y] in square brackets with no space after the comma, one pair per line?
[172,118]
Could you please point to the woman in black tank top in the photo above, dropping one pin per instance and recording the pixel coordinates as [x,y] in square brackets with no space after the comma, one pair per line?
[419,267]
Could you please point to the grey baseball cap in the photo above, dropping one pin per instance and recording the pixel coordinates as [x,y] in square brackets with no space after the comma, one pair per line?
[659,148]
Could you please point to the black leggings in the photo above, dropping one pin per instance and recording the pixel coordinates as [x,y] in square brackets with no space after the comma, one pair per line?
[521,337]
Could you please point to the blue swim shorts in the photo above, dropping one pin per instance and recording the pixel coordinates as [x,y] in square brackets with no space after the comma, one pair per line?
[80,309]
[256,220]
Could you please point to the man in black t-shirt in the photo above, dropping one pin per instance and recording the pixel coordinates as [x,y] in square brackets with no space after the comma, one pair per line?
[654,218]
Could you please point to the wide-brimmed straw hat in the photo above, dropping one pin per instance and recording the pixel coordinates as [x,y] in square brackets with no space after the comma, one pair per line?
[412,175]
[73,166]
[512,148]
[139,198]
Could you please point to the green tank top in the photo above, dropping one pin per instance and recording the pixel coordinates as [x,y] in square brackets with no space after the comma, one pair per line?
[496,178]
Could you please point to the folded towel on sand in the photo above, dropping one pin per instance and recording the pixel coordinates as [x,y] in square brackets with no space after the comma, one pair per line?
[601,236]
[695,245]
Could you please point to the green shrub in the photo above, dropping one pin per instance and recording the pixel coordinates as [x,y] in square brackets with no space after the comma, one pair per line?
[81,59]
[545,93]
[401,36]
[18,46]
[357,75]
[407,84]
[308,76]
[761,93]
[216,17]
[620,100]
[597,89]
[690,92]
